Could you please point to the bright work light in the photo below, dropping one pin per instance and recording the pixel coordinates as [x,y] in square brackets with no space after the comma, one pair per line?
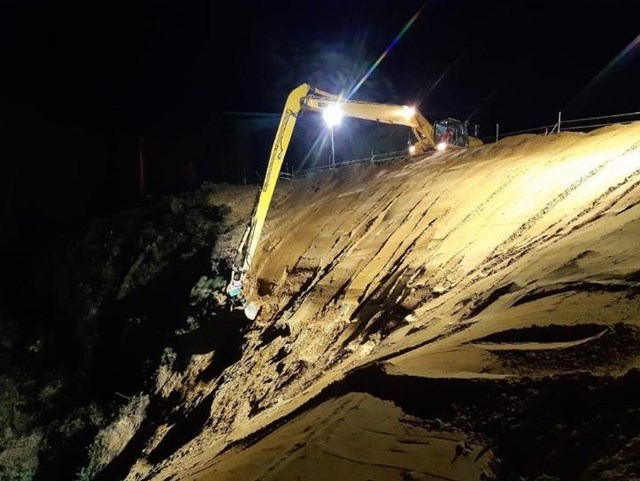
[408,112]
[333,115]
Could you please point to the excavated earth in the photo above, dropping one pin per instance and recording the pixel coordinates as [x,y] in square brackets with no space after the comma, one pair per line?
[469,315]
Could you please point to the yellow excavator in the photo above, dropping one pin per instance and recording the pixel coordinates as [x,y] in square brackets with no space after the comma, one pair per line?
[439,136]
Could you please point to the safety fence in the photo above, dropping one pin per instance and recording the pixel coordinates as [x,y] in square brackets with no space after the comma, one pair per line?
[583,124]
[372,159]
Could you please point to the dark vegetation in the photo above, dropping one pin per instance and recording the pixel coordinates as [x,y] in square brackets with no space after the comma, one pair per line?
[88,317]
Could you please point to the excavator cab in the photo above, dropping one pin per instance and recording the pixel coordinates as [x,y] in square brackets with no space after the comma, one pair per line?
[450,132]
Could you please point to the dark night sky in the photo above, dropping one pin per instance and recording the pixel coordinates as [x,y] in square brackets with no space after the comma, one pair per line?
[165,67]
[203,85]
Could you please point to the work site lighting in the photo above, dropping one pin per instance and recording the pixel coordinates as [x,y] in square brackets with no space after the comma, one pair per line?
[408,112]
[333,115]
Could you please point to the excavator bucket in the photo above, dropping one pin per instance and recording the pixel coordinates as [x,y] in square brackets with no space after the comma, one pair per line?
[251,310]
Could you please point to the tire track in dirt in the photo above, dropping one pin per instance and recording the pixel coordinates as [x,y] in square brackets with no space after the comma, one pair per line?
[322,425]
[496,256]
[510,178]
[608,207]
[387,466]
[496,262]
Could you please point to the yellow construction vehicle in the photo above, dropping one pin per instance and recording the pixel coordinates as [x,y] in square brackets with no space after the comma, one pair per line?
[441,135]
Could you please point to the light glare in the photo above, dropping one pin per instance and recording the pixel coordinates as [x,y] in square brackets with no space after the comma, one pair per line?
[408,112]
[441,146]
[333,115]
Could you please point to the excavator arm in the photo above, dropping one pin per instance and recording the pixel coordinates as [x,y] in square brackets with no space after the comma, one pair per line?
[252,235]
[278,151]
[319,101]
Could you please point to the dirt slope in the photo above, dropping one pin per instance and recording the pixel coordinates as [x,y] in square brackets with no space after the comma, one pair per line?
[475,295]
[355,437]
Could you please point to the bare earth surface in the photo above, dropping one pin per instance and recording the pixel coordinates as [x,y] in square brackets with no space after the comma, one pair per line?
[471,315]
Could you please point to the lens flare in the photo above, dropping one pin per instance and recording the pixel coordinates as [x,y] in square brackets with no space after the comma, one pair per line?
[617,59]
[385,53]
[333,115]
[598,80]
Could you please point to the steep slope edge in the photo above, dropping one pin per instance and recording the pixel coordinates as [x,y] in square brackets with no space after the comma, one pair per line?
[511,264]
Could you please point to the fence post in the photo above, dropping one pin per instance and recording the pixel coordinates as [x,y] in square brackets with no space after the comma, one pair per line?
[559,120]
[497,131]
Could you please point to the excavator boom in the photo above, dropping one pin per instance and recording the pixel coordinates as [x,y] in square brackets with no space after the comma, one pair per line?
[384,113]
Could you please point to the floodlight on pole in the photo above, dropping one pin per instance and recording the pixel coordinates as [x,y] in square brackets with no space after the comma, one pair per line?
[333,115]
[333,148]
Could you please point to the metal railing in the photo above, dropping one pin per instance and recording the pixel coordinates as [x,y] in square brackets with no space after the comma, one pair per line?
[372,159]
[561,124]
[585,123]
